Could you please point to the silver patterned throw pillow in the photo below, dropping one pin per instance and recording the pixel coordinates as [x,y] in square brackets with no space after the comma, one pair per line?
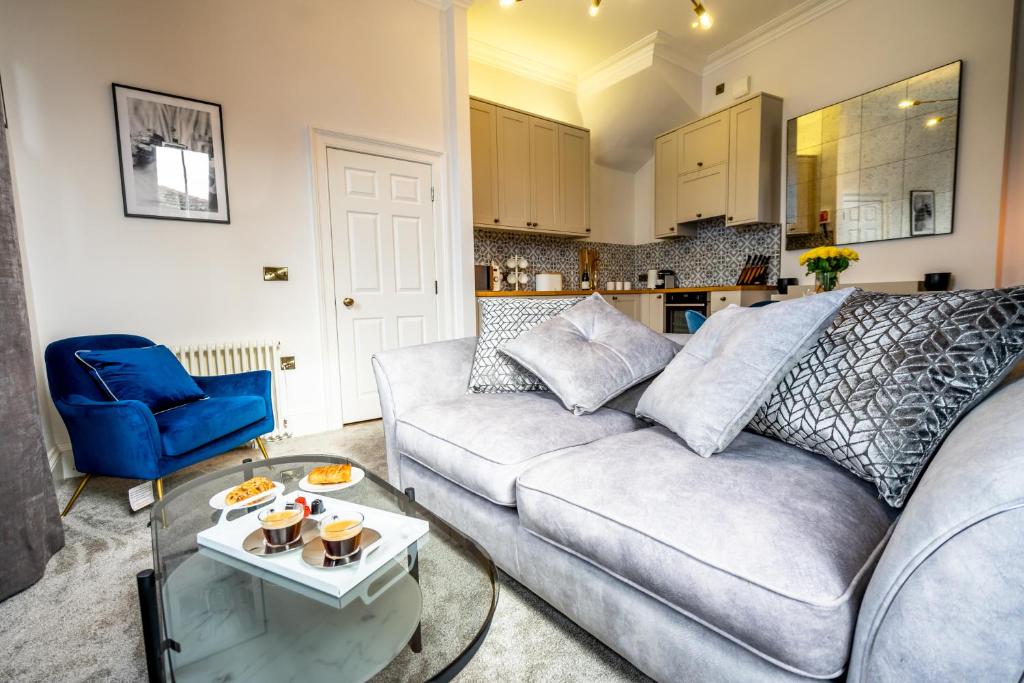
[503,319]
[892,376]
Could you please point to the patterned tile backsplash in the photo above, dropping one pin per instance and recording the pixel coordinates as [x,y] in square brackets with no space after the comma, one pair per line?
[714,257]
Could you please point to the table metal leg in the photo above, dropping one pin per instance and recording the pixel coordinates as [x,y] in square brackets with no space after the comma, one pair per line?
[416,642]
[146,581]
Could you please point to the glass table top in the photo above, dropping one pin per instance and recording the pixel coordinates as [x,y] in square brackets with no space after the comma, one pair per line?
[227,620]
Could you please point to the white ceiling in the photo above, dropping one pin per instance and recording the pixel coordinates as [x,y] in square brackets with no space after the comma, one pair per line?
[560,33]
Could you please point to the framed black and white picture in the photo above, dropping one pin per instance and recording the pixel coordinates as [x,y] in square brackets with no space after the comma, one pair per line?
[922,212]
[171,151]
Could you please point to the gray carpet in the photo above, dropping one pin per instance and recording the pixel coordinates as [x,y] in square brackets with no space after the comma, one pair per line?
[81,621]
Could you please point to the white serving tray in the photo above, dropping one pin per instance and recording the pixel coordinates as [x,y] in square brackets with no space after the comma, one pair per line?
[397,532]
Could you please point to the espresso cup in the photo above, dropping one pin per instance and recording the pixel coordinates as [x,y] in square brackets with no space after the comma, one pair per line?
[281,526]
[341,534]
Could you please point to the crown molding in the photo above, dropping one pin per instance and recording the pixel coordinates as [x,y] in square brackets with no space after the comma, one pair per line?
[500,58]
[446,4]
[633,59]
[770,31]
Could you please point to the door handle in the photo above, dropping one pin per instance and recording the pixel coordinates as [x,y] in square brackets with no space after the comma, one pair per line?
[348,301]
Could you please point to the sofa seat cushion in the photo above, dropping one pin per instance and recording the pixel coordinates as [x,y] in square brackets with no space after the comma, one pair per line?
[190,426]
[767,544]
[483,442]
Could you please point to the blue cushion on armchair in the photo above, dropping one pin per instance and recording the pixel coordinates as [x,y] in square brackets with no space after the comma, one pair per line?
[187,427]
[149,374]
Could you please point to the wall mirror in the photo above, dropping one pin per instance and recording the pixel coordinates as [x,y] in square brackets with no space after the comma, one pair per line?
[880,166]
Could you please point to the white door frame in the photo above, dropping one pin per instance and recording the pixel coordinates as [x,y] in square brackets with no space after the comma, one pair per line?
[320,141]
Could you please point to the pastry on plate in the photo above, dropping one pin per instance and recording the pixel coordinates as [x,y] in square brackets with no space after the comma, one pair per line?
[247,489]
[330,474]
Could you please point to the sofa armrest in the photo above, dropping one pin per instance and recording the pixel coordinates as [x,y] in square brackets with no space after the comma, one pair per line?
[945,601]
[115,438]
[419,375]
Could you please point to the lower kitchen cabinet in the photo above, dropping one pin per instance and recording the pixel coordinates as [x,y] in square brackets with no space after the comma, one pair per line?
[652,311]
[627,303]
[719,300]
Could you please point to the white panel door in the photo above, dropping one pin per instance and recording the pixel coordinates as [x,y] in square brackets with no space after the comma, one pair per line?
[382,227]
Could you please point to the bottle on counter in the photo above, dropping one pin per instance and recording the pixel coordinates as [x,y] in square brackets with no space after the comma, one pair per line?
[585,280]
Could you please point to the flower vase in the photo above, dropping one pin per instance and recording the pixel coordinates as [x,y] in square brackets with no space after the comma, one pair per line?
[825,281]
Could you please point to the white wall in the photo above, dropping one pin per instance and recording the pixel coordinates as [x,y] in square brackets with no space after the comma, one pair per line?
[371,68]
[643,209]
[864,44]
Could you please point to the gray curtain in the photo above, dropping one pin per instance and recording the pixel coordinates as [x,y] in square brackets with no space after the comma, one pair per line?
[30,528]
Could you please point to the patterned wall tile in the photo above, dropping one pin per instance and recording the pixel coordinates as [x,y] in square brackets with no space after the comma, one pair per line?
[714,257]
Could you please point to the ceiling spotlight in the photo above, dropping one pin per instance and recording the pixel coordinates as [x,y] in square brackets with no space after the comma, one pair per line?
[595,7]
[933,121]
[704,19]
[907,104]
[507,3]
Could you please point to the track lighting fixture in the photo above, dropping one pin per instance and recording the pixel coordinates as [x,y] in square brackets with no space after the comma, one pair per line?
[595,5]
[704,19]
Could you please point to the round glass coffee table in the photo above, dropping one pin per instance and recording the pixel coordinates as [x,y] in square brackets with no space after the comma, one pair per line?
[207,616]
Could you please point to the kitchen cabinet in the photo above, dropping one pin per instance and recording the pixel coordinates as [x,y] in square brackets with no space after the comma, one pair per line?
[702,194]
[704,143]
[483,128]
[574,179]
[724,164]
[755,131]
[723,299]
[530,174]
[514,205]
[665,186]
[626,303]
[652,311]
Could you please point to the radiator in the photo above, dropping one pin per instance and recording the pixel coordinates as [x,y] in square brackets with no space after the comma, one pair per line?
[234,357]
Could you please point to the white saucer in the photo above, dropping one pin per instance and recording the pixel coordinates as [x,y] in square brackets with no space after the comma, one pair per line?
[217,501]
[357,476]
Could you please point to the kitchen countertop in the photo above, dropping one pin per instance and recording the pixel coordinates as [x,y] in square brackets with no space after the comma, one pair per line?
[584,292]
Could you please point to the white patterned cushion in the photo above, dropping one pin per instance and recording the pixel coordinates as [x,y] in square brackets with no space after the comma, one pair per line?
[503,319]
[892,376]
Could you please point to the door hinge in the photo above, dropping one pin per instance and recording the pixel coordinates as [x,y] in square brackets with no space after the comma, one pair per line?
[435,286]
[431,193]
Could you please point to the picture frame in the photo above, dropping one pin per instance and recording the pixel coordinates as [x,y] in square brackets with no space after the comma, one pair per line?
[170,151]
[922,212]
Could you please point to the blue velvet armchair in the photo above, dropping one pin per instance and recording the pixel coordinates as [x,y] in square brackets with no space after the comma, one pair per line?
[125,439]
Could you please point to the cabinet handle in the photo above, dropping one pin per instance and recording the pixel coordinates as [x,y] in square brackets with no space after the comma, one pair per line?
[699,215]
[722,299]
[536,225]
[615,298]
[497,220]
[588,229]
[728,218]
[658,297]
[700,163]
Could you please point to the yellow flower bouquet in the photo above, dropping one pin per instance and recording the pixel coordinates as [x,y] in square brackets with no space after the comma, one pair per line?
[826,263]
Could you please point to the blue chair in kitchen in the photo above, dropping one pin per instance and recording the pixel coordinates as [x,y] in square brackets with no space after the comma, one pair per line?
[128,439]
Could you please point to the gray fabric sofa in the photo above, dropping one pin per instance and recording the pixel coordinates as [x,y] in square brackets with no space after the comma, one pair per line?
[764,562]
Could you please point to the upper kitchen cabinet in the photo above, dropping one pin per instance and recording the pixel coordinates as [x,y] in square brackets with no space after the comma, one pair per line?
[530,174]
[726,164]
[483,130]
[574,179]
[704,143]
[755,146]
[666,163]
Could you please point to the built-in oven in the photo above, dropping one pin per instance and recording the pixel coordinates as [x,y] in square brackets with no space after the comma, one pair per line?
[676,306]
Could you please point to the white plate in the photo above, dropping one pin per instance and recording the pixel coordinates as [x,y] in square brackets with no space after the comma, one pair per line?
[217,502]
[357,476]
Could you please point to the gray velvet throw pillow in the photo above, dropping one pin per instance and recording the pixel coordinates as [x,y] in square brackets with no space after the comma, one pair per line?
[891,378]
[502,319]
[708,394]
[591,353]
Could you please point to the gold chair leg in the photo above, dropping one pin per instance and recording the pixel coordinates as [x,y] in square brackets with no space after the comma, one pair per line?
[263,448]
[75,495]
[158,484]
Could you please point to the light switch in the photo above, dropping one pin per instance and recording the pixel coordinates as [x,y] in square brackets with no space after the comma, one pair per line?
[287,362]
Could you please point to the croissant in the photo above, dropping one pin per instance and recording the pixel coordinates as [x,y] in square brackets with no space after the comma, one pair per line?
[247,489]
[331,474]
